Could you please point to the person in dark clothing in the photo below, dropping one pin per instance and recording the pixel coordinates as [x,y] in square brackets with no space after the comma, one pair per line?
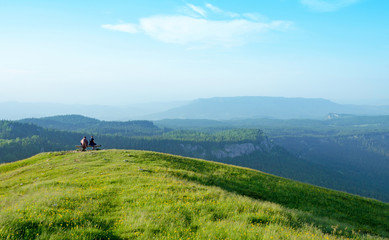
[92,142]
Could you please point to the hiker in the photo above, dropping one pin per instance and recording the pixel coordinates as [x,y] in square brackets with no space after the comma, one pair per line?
[92,142]
[84,143]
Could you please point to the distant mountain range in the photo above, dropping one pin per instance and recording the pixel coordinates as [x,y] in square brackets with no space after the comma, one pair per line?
[17,111]
[264,107]
[219,108]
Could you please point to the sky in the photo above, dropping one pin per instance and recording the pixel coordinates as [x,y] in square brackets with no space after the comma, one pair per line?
[121,52]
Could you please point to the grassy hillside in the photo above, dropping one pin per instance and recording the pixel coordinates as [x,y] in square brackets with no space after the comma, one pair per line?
[119,194]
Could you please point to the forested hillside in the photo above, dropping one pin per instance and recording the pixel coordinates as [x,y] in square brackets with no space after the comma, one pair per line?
[20,140]
[78,123]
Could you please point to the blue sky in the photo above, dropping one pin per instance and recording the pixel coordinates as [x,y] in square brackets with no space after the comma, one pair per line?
[125,52]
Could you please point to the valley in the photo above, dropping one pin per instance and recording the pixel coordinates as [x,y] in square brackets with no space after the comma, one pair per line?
[334,153]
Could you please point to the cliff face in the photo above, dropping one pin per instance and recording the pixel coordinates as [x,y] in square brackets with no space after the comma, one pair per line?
[235,150]
[227,150]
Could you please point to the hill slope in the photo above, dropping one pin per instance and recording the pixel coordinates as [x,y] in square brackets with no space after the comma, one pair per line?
[141,195]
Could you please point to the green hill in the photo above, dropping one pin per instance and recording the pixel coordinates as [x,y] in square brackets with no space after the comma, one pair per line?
[119,194]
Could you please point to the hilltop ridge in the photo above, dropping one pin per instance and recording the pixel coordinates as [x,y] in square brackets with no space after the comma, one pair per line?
[122,194]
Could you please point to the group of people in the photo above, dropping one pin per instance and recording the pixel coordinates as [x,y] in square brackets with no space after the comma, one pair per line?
[85,143]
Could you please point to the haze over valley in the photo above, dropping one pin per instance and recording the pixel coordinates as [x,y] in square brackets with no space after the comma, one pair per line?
[218,108]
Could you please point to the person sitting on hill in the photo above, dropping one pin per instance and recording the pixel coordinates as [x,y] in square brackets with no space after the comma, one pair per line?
[84,143]
[92,142]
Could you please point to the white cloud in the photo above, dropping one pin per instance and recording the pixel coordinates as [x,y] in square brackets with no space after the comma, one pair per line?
[198,10]
[230,30]
[327,5]
[126,27]
[186,30]
[213,8]
[221,12]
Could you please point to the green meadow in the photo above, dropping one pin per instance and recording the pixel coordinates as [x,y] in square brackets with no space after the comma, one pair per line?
[123,194]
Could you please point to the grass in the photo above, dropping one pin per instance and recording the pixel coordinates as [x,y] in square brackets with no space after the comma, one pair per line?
[118,194]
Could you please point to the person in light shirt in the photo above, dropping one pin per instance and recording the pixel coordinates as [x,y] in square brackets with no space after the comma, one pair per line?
[84,143]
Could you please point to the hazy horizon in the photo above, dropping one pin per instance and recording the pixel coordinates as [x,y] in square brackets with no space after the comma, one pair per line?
[135,52]
[361,102]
